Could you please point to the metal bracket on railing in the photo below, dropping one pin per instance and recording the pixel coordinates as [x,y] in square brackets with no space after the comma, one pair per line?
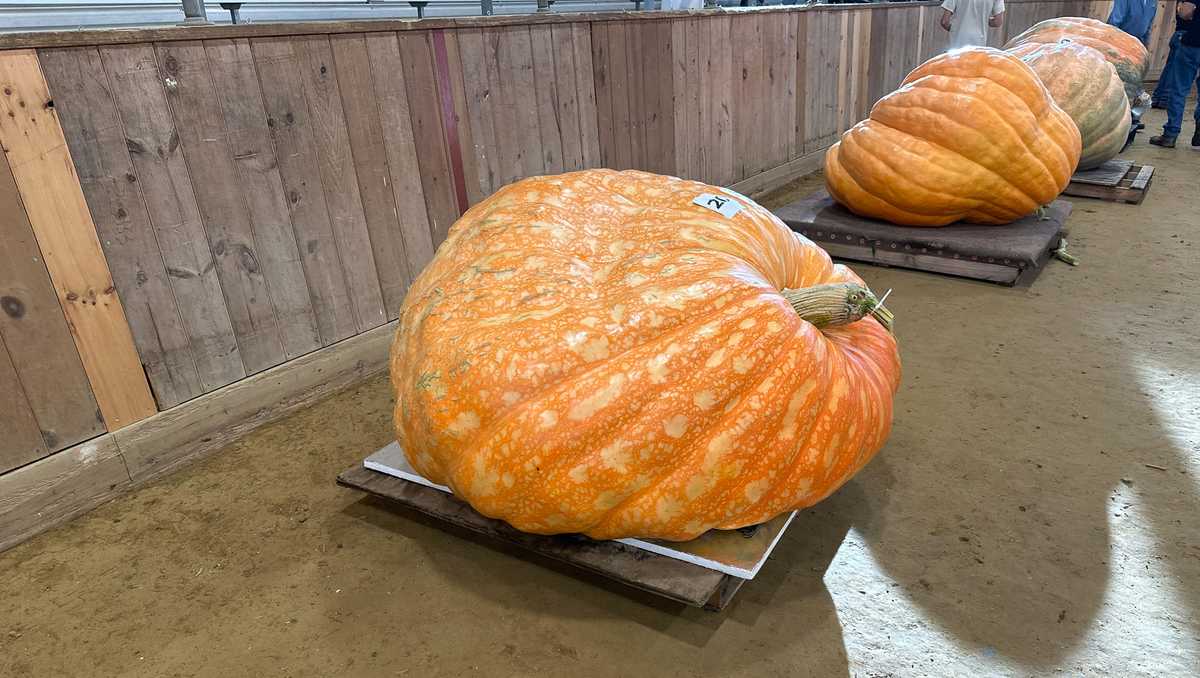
[193,13]
[485,7]
[235,11]
[420,5]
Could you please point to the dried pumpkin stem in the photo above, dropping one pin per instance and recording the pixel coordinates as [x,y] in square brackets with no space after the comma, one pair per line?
[837,304]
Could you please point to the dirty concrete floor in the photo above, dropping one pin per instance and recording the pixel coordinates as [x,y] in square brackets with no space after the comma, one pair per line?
[1034,512]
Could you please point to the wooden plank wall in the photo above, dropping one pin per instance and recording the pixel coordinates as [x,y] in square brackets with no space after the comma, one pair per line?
[258,198]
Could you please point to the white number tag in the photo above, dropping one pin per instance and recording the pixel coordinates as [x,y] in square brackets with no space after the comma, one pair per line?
[721,204]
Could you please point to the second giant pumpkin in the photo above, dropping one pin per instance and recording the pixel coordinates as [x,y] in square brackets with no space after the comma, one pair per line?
[971,135]
[1126,53]
[1088,88]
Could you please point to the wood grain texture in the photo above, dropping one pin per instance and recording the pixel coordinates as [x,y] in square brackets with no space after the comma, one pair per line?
[45,177]
[260,186]
[566,97]
[720,70]
[601,77]
[620,92]
[462,124]
[200,129]
[586,94]
[375,180]
[408,194]
[481,104]
[22,438]
[48,381]
[53,490]
[288,118]
[545,81]
[416,54]
[101,157]
[158,162]
[319,79]
[171,439]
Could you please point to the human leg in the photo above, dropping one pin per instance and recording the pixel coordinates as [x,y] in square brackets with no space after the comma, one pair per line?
[1162,91]
[1183,74]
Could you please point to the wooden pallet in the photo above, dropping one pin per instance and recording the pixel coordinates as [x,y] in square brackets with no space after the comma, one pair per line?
[1010,255]
[668,577]
[1115,181]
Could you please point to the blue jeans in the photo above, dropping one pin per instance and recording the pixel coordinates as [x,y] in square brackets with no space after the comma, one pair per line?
[1163,91]
[1183,74]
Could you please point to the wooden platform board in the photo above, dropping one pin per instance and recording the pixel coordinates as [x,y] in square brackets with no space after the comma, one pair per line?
[698,573]
[1115,181]
[1010,255]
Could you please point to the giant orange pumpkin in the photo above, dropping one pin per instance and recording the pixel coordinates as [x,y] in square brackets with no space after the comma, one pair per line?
[1126,53]
[971,135]
[593,352]
[1087,87]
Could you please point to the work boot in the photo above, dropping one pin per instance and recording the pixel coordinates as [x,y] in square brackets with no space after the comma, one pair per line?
[1164,141]
[1196,138]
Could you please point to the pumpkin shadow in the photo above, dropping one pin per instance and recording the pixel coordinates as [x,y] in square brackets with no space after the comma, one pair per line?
[1011,513]
[518,579]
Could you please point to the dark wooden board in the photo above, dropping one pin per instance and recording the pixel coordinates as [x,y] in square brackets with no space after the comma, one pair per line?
[49,388]
[1008,254]
[675,579]
[1115,181]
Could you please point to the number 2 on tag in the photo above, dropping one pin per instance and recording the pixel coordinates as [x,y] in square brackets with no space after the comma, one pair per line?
[721,204]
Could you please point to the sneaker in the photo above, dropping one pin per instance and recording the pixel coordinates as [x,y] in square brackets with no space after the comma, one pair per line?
[1164,141]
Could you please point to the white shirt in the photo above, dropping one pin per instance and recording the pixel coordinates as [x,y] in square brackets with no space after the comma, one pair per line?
[969,26]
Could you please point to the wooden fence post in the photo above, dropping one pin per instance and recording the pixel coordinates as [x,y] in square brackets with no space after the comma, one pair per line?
[37,152]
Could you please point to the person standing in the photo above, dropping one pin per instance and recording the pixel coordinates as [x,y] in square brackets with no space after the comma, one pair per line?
[1135,17]
[1183,73]
[968,20]
[1162,91]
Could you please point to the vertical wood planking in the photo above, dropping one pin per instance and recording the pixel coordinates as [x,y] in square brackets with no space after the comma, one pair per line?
[41,165]
[99,152]
[620,92]
[158,162]
[786,67]
[545,82]
[260,186]
[508,147]
[295,149]
[399,144]
[200,127]
[461,125]
[601,77]
[800,98]
[516,77]
[586,91]
[720,70]
[660,98]
[420,78]
[375,181]
[562,46]
[45,399]
[483,101]
[318,77]
[640,113]
[22,438]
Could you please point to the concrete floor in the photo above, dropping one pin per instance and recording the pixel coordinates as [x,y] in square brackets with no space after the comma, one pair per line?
[1013,525]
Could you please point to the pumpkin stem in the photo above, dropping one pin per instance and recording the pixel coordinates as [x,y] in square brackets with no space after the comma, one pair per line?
[838,304]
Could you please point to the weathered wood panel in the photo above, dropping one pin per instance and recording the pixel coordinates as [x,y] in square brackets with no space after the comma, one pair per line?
[88,115]
[47,387]
[420,76]
[45,176]
[260,186]
[288,118]
[200,129]
[374,174]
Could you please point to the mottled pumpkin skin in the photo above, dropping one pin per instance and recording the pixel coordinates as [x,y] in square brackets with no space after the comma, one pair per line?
[591,352]
[1086,86]
[971,135]
[1126,53]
